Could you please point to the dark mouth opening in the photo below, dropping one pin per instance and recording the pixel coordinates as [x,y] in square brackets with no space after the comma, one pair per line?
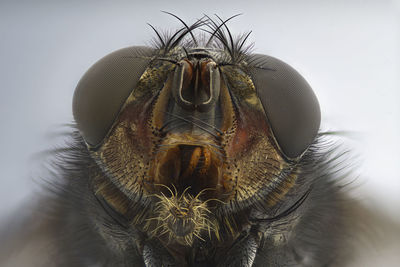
[194,168]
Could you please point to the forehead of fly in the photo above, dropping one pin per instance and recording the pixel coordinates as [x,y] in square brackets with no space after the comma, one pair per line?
[202,82]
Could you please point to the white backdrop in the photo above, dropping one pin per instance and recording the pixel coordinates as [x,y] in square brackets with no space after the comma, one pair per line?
[349,51]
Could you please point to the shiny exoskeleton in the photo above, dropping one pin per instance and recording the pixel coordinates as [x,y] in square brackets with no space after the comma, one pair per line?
[196,153]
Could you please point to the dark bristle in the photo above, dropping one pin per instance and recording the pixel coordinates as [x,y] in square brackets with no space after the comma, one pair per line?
[189,29]
[220,37]
[167,42]
[160,39]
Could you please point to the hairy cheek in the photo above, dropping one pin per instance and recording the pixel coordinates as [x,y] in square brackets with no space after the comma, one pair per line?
[126,153]
[240,141]
[137,117]
[250,125]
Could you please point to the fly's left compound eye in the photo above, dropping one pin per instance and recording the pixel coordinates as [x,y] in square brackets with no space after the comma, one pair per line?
[290,104]
[102,91]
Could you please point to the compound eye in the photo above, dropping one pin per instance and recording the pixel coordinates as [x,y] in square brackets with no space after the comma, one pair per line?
[104,88]
[291,106]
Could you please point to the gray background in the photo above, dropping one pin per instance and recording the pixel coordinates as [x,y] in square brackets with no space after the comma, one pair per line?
[347,50]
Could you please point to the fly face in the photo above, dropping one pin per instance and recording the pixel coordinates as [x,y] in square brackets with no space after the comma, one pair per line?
[189,142]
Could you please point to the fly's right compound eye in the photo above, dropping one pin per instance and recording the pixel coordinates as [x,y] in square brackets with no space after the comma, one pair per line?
[289,102]
[102,91]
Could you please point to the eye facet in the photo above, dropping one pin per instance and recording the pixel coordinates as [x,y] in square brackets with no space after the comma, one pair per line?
[102,91]
[290,104]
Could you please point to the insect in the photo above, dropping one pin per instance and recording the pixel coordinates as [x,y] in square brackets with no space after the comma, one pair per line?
[195,152]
